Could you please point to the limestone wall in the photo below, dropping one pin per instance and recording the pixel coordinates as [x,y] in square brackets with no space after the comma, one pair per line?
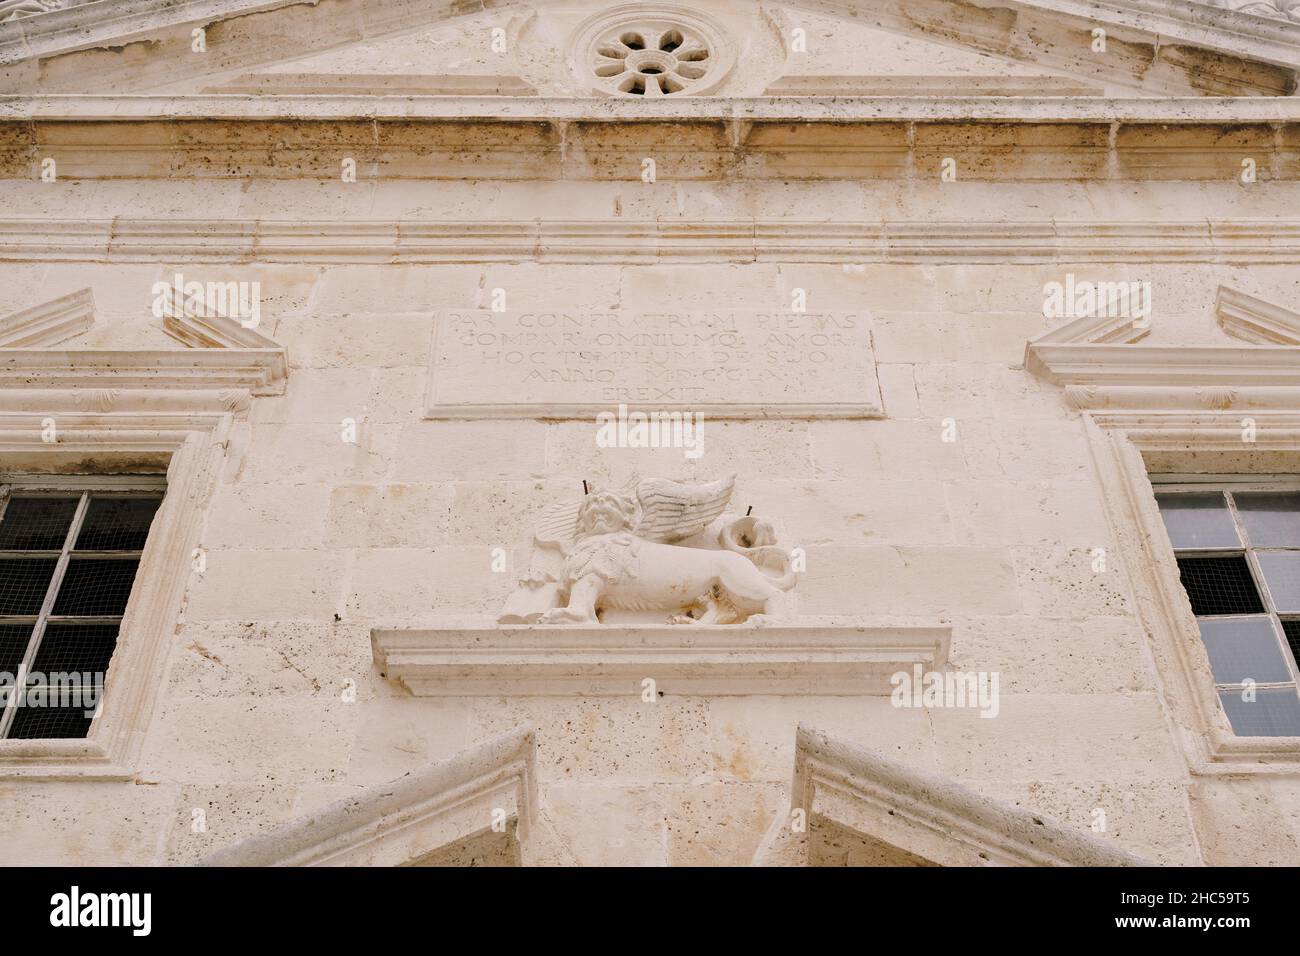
[311,540]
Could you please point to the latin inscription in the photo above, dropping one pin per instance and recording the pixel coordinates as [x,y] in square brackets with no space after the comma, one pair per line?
[729,364]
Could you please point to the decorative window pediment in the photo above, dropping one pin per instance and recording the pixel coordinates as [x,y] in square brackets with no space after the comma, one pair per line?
[174,412]
[473,809]
[1101,364]
[222,354]
[862,808]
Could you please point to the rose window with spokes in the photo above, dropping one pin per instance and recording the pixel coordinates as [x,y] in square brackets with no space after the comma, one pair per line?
[651,59]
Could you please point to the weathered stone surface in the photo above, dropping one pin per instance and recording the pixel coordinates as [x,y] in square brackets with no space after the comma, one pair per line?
[958,487]
[721,363]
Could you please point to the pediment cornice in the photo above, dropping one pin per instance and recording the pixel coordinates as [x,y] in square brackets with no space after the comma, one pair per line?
[1197,46]
[1101,365]
[49,323]
[927,816]
[400,821]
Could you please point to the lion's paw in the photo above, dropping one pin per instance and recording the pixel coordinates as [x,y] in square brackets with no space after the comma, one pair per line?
[563,615]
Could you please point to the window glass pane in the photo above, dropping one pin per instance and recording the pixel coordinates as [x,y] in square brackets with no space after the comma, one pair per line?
[1244,648]
[80,647]
[13,645]
[1282,575]
[1292,631]
[1273,713]
[95,587]
[23,583]
[116,524]
[36,524]
[1220,585]
[1272,519]
[1198,521]
[52,723]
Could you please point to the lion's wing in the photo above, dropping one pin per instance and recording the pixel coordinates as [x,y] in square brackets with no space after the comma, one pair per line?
[671,510]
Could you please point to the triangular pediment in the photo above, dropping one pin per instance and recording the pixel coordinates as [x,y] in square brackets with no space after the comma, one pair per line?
[473,809]
[54,344]
[851,806]
[1104,361]
[800,48]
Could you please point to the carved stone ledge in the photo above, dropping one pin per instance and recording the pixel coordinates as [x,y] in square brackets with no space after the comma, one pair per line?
[806,657]
[261,370]
[409,242]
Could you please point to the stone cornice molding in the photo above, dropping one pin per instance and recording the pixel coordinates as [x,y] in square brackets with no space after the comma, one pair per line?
[1095,330]
[403,820]
[875,241]
[1177,110]
[261,371]
[197,330]
[1254,320]
[995,139]
[49,323]
[930,816]
[799,658]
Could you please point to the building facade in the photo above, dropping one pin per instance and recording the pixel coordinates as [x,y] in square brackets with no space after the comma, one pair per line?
[825,432]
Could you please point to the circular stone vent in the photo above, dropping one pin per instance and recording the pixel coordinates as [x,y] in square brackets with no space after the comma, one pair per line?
[651,51]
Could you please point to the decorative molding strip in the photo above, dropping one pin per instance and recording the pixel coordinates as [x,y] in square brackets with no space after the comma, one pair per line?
[1096,330]
[994,139]
[262,371]
[741,113]
[798,84]
[745,240]
[376,84]
[192,327]
[1169,366]
[804,658]
[929,816]
[50,323]
[1254,320]
[408,819]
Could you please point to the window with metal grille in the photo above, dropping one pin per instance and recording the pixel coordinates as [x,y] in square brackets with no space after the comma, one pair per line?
[69,551]
[1237,543]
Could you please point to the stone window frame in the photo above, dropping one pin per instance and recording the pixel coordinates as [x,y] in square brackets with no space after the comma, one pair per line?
[1120,442]
[179,435]
[1229,486]
[84,487]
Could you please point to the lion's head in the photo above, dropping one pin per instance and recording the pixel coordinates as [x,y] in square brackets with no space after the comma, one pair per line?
[603,512]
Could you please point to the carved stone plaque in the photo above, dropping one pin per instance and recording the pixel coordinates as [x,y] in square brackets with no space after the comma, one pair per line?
[720,363]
